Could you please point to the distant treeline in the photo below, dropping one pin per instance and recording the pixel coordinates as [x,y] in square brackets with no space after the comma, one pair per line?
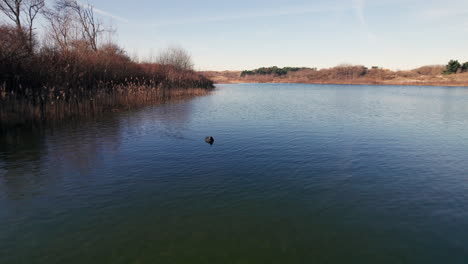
[75,71]
[454,66]
[354,74]
[340,72]
[272,70]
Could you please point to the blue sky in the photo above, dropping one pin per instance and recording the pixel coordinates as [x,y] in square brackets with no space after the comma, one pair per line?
[245,34]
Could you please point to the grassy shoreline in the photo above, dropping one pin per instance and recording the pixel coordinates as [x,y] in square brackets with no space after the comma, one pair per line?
[71,70]
[357,75]
[377,83]
[50,85]
[18,111]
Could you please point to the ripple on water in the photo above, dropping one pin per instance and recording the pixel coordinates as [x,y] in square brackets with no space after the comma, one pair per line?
[331,173]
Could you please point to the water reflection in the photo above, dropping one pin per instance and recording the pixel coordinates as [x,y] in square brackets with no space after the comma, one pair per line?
[383,167]
[21,151]
[449,107]
[171,120]
[31,158]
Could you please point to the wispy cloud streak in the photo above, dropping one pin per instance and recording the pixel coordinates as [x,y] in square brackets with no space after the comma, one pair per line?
[359,9]
[107,14]
[104,13]
[455,13]
[247,15]
[359,6]
[439,13]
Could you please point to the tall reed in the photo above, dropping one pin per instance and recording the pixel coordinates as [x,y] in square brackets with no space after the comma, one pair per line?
[21,110]
[53,84]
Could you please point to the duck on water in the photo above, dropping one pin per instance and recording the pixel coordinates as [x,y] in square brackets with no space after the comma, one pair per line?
[209,140]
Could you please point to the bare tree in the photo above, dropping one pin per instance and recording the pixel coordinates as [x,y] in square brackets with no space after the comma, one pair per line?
[12,9]
[177,57]
[91,26]
[32,7]
[23,13]
[12,47]
[62,27]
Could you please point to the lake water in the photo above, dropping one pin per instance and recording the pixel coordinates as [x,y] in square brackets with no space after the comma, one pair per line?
[297,174]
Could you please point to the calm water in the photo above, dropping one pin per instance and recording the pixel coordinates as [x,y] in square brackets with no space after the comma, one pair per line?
[297,174]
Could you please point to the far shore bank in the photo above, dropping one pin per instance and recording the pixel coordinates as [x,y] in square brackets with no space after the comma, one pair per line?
[358,83]
[353,75]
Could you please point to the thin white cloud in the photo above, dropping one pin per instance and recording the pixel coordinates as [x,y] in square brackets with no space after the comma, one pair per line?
[439,13]
[104,13]
[359,7]
[107,14]
[247,15]
[458,13]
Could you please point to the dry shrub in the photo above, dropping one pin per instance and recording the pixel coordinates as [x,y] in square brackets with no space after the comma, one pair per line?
[15,110]
[12,46]
[53,84]
[342,72]
[350,74]
[176,57]
[430,70]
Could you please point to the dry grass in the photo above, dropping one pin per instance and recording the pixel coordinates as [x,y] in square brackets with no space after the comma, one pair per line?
[348,74]
[14,110]
[51,84]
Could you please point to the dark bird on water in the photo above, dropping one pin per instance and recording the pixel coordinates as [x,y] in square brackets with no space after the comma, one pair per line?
[209,140]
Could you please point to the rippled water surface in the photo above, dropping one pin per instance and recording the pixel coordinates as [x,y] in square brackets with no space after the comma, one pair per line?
[297,174]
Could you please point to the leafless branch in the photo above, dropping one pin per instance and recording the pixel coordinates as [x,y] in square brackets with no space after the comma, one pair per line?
[23,13]
[177,57]
[12,9]
[91,25]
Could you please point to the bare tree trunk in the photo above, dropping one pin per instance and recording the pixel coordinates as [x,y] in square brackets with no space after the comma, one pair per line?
[23,10]
[91,26]
[63,27]
[12,9]
[33,8]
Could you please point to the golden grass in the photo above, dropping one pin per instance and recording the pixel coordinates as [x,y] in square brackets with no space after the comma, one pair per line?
[424,76]
[54,83]
[22,111]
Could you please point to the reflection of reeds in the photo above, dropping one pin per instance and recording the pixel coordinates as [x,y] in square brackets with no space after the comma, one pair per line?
[56,106]
[55,84]
[54,88]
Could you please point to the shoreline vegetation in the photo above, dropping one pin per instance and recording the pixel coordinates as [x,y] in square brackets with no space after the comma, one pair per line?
[453,74]
[77,71]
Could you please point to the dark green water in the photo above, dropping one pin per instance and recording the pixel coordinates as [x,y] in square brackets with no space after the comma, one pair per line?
[297,174]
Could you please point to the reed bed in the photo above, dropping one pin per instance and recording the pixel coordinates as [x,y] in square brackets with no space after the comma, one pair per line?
[54,85]
[19,110]
[77,75]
